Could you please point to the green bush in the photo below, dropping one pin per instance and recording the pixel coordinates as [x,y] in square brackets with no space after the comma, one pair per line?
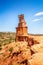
[11,49]
[0,48]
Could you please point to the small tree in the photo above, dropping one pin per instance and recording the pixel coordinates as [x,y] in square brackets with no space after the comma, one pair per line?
[11,49]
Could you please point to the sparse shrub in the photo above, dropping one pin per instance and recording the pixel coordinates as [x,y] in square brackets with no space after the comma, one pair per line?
[6,38]
[11,49]
[0,48]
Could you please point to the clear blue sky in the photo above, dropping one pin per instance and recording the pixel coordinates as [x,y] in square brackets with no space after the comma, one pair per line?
[32,10]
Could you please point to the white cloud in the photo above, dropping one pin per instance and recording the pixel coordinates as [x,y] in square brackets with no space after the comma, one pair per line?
[35,20]
[39,14]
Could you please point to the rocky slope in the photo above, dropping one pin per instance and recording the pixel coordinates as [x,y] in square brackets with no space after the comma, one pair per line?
[15,54]
[19,53]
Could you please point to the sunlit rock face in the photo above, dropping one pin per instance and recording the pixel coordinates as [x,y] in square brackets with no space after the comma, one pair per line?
[17,53]
[22,32]
[36,59]
[22,29]
[22,52]
[37,47]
